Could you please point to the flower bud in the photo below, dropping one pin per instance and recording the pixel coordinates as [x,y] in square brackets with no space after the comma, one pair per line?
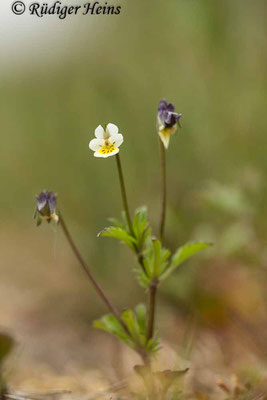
[46,207]
[168,120]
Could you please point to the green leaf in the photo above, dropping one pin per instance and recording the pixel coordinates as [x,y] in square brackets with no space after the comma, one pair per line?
[142,278]
[164,257]
[141,226]
[148,260]
[140,219]
[140,310]
[130,320]
[111,324]
[119,233]
[186,251]
[183,253]
[152,345]
[136,325]
[155,260]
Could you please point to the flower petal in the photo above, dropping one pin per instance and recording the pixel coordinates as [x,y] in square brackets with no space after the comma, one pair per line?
[100,155]
[117,140]
[162,105]
[165,137]
[96,144]
[170,107]
[99,132]
[112,129]
[97,154]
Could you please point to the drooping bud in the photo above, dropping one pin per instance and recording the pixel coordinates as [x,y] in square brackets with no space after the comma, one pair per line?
[168,119]
[46,207]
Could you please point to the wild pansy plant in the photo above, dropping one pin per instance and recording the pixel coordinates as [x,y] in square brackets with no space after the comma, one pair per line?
[154,262]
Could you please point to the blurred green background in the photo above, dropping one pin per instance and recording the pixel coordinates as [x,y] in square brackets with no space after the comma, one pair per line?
[208,57]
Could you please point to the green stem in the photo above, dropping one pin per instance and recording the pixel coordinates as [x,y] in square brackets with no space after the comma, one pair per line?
[163,189]
[124,195]
[140,257]
[154,283]
[152,308]
[89,274]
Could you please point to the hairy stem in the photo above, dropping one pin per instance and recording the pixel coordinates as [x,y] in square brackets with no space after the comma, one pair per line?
[163,189]
[124,195]
[89,274]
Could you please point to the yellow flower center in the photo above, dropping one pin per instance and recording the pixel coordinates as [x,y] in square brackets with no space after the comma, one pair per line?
[107,148]
[48,218]
[168,131]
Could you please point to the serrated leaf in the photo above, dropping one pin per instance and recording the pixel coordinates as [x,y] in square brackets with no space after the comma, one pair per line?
[120,234]
[186,251]
[110,323]
[183,253]
[141,226]
[155,259]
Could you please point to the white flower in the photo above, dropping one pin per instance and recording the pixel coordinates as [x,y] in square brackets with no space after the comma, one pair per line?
[107,141]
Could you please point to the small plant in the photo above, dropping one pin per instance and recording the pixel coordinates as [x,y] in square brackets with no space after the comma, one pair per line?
[154,262]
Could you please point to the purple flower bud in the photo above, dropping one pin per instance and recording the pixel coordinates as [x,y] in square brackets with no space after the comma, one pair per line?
[46,207]
[167,117]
